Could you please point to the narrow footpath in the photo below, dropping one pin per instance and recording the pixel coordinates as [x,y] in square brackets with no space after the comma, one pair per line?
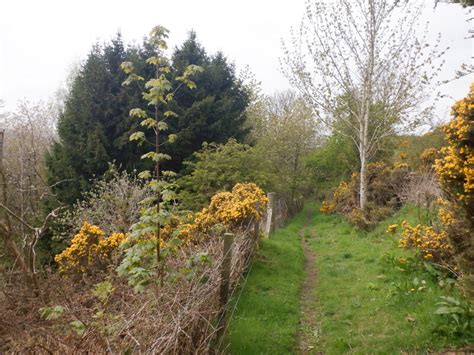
[309,326]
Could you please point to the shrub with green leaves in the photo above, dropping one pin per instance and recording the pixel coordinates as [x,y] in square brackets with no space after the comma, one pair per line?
[218,167]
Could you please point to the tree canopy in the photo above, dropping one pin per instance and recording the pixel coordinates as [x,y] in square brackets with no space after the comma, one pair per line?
[95,126]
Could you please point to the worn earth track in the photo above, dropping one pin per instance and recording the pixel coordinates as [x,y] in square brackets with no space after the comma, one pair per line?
[309,326]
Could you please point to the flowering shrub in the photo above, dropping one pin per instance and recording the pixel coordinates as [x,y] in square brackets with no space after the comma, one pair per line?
[455,171]
[392,229]
[245,201]
[226,209]
[383,193]
[358,218]
[342,200]
[432,244]
[428,157]
[88,247]
[327,207]
[456,168]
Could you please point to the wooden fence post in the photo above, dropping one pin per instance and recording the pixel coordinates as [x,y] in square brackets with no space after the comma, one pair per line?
[225,281]
[256,232]
[256,226]
[271,214]
[2,132]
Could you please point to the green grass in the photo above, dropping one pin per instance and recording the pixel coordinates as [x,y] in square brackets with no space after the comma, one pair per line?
[364,302]
[266,317]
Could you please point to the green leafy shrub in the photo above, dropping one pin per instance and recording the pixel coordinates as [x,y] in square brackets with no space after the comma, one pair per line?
[218,167]
[457,318]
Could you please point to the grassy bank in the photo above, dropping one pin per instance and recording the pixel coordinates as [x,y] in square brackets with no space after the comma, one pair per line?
[367,301]
[267,314]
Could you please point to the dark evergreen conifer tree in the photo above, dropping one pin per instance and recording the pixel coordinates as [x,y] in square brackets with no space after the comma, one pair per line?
[95,126]
[215,111]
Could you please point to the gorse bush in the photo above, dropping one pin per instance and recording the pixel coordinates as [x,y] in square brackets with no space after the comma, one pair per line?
[383,193]
[89,250]
[227,211]
[432,244]
[455,170]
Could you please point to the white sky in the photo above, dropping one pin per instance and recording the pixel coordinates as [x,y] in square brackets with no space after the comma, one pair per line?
[41,39]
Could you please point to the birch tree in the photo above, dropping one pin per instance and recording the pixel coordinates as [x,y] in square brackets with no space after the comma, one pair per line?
[364,69]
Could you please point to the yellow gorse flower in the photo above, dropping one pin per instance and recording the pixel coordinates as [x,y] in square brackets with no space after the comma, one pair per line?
[431,243]
[455,169]
[244,202]
[392,228]
[87,247]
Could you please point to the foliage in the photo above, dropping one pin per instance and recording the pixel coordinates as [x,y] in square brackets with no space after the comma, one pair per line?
[218,167]
[363,67]
[340,198]
[286,132]
[92,123]
[112,204]
[89,250]
[321,163]
[283,132]
[51,313]
[229,209]
[455,170]
[432,244]
[383,192]
[214,111]
[458,316]
[29,134]
[226,211]
[414,147]
[158,92]
[95,126]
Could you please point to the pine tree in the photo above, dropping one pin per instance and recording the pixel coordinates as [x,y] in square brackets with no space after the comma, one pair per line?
[214,112]
[95,126]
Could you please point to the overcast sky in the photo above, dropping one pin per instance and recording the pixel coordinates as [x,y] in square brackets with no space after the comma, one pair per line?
[41,39]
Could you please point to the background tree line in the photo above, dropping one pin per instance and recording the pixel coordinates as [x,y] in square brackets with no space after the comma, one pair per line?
[95,125]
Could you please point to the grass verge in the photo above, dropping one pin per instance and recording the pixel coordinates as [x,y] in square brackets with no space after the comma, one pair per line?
[366,302]
[266,318]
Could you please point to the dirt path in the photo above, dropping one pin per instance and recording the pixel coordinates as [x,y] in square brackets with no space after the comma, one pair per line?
[309,327]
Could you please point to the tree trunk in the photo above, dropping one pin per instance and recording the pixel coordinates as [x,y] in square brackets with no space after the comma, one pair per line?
[363,181]
[367,102]
[363,148]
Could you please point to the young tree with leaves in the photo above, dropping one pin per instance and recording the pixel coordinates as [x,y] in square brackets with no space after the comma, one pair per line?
[159,93]
[286,131]
[368,51]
